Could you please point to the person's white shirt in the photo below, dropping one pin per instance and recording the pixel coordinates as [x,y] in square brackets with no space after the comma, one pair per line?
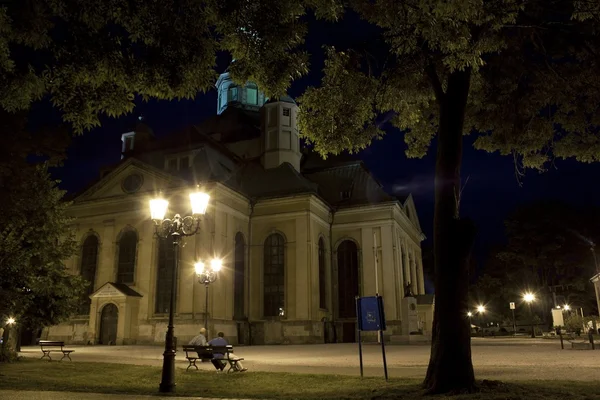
[199,340]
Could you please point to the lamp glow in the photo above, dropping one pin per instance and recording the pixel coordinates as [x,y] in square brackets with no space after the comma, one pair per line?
[529,297]
[567,307]
[158,208]
[469,314]
[216,264]
[199,202]
[199,267]
[10,321]
[480,309]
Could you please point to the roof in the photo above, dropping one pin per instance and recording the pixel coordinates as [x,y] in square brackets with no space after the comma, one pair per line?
[255,181]
[121,287]
[349,184]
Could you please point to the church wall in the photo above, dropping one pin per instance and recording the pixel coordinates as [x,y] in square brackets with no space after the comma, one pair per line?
[301,219]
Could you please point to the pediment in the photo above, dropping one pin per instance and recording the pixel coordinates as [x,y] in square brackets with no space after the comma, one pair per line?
[114,290]
[411,211]
[130,177]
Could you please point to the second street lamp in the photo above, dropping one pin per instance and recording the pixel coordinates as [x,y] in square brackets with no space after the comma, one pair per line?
[530,298]
[175,228]
[206,276]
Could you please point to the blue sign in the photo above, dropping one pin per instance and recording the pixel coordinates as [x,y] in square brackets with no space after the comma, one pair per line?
[370,313]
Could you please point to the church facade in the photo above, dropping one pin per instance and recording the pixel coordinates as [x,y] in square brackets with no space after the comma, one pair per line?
[299,236]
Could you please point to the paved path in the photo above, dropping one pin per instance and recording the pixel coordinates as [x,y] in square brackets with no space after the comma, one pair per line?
[40,395]
[493,358]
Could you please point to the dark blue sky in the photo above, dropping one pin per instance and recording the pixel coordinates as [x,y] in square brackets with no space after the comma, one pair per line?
[491,193]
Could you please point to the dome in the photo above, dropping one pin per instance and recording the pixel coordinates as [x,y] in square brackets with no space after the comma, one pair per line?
[283,99]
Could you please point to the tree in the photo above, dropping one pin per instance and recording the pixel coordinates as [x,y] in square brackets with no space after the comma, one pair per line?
[519,73]
[548,252]
[35,287]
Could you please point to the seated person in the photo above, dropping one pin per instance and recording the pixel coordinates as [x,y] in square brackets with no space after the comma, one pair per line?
[200,340]
[218,361]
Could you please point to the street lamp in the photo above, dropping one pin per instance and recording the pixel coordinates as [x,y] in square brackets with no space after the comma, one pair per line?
[481,310]
[175,228]
[206,276]
[530,298]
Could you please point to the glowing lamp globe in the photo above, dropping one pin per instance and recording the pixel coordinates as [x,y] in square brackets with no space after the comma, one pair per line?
[158,208]
[216,264]
[480,309]
[528,297]
[199,202]
[199,267]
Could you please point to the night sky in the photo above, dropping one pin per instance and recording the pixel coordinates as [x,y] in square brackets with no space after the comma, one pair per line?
[491,193]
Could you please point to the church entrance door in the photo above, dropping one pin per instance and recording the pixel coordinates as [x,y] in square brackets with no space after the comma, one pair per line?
[108,324]
[348,288]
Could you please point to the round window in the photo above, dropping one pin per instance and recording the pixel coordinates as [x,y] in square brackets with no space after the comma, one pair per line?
[133,183]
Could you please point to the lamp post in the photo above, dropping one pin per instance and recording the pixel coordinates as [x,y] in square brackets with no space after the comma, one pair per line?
[206,276]
[470,314]
[175,228]
[530,298]
[481,310]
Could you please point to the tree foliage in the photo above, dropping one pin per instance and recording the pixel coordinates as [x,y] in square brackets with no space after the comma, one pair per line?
[92,57]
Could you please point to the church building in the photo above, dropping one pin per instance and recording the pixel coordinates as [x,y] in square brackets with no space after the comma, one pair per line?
[299,237]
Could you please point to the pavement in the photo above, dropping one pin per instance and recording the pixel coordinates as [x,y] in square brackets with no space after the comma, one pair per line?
[508,359]
[39,395]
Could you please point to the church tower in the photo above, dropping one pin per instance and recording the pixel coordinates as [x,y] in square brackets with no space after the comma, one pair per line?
[279,127]
[230,94]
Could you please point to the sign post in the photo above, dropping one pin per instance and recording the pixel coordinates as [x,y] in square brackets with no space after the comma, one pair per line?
[512,308]
[370,316]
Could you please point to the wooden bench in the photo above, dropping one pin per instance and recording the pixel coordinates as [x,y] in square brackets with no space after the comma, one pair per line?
[49,346]
[208,352]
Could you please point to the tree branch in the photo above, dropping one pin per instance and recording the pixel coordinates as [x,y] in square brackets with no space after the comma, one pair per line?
[435,82]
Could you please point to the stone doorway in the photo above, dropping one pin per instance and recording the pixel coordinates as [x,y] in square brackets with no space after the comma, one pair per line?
[108,324]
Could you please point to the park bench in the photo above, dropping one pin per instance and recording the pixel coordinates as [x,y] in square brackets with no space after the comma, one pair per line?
[208,352]
[49,346]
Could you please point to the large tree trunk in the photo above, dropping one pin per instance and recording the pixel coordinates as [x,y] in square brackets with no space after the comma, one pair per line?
[450,366]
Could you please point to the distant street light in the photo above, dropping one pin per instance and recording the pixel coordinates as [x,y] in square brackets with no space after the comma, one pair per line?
[481,311]
[10,321]
[530,298]
[206,276]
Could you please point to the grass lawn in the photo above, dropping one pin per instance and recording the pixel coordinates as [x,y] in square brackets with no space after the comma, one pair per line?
[144,380]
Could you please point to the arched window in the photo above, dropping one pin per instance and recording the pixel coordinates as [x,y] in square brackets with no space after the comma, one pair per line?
[164,275]
[274,274]
[348,278]
[239,278]
[127,250]
[322,283]
[89,262]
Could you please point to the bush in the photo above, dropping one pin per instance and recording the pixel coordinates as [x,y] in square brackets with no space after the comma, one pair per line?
[574,323]
[8,355]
